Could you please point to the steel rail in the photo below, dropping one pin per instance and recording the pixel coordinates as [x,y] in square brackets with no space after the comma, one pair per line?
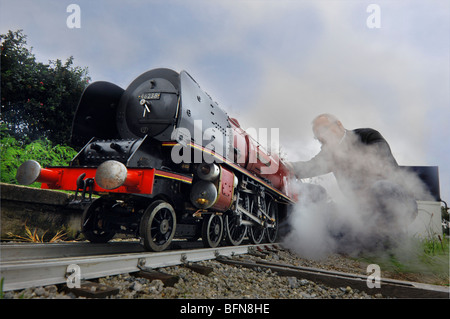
[388,287]
[24,251]
[25,273]
[32,265]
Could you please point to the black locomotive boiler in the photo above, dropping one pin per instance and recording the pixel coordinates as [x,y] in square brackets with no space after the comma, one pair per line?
[167,161]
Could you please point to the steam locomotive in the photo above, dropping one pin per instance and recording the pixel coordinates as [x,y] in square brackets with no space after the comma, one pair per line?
[167,161]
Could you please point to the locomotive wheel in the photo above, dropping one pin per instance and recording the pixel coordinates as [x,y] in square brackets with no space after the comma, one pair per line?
[158,225]
[234,232]
[93,225]
[212,230]
[272,211]
[256,232]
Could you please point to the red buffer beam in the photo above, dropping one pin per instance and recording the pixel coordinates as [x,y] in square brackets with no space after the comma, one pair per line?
[118,180]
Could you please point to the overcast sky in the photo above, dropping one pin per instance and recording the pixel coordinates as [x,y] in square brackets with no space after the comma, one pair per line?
[274,63]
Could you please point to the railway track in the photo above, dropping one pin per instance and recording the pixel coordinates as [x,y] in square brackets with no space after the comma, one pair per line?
[33,265]
[387,287]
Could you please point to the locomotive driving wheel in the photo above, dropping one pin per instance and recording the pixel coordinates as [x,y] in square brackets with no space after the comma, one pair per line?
[212,230]
[94,225]
[234,231]
[272,230]
[158,225]
[256,232]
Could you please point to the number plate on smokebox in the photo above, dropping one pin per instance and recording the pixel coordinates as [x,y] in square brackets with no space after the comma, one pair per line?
[151,96]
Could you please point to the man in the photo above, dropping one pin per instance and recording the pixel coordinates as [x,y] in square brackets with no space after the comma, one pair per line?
[367,173]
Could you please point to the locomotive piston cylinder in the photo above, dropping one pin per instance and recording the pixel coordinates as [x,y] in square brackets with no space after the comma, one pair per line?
[113,174]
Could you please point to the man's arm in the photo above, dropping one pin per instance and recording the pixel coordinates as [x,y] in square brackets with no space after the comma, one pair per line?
[316,166]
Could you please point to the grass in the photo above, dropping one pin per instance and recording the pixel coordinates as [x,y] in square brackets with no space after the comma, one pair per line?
[422,260]
[33,236]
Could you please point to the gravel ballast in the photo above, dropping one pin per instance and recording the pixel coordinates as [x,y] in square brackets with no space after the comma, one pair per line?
[224,282]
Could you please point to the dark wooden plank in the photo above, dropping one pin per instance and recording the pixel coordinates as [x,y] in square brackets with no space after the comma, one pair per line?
[167,279]
[93,290]
[204,270]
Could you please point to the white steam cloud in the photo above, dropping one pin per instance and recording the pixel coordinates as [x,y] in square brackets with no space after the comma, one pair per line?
[370,212]
[367,78]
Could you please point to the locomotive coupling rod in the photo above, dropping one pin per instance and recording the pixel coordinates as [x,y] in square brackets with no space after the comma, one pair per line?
[252,217]
[255,220]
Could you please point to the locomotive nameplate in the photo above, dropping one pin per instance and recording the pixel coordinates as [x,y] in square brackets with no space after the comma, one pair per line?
[150,96]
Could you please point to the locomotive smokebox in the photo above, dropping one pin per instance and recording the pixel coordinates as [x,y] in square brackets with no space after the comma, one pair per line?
[113,174]
[149,105]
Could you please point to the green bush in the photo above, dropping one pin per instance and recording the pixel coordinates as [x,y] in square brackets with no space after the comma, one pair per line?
[14,153]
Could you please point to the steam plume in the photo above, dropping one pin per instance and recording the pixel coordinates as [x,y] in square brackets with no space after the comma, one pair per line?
[360,217]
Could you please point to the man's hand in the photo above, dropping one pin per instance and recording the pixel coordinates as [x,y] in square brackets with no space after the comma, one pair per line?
[291,169]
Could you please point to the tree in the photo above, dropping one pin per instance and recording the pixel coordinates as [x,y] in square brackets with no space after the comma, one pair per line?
[37,100]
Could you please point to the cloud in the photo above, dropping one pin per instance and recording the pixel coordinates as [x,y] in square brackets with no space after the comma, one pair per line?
[273,63]
[361,77]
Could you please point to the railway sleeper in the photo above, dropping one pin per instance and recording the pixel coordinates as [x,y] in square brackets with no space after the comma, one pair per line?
[151,274]
[389,287]
[203,270]
[91,289]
